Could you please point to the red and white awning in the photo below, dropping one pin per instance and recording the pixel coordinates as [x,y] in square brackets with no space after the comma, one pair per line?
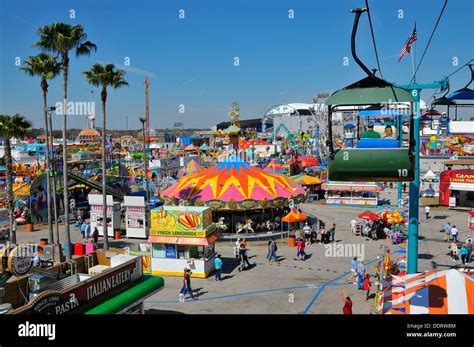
[436,292]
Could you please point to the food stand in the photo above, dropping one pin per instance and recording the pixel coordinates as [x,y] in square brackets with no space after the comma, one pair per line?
[349,193]
[182,237]
[114,221]
[137,214]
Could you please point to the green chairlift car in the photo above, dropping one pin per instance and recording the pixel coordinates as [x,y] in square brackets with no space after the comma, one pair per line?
[378,160]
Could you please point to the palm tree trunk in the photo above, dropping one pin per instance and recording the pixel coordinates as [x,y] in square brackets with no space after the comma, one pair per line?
[9,186]
[44,86]
[65,63]
[104,177]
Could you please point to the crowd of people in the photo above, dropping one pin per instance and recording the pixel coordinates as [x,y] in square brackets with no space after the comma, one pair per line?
[465,252]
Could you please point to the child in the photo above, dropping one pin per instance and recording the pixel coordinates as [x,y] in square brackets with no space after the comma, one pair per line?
[367,286]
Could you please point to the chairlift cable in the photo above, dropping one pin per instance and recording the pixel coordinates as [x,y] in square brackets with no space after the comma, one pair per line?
[429,41]
[373,37]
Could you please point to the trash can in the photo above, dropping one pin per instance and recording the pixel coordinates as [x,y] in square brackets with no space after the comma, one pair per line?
[291,240]
[79,248]
[68,250]
[118,234]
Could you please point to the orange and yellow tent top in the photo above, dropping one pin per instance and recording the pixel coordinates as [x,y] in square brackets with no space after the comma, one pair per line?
[294,216]
[233,179]
[435,292]
[306,180]
[192,168]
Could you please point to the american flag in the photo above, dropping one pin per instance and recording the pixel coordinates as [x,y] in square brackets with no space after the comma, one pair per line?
[407,47]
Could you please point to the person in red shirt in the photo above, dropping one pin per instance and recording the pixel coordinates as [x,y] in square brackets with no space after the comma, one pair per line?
[300,250]
[367,286]
[347,309]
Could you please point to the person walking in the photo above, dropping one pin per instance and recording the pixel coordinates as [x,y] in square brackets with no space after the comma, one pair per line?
[464,253]
[218,266]
[187,284]
[241,259]
[300,254]
[353,227]
[322,232]
[273,250]
[83,229]
[447,231]
[307,233]
[246,257]
[87,230]
[367,286]
[427,212]
[360,274]
[347,308]
[332,233]
[237,249]
[454,251]
[454,234]
[469,248]
[353,276]
[95,235]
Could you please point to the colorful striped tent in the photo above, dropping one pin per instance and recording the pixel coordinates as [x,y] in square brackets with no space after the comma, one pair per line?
[435,292]
[306,180]
[276,168]
[192,168]
[235,181]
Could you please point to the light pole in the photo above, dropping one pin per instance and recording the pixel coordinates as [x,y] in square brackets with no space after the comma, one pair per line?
[53,185]
[145,160]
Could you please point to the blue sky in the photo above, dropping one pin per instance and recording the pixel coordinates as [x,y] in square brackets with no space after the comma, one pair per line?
[191,61]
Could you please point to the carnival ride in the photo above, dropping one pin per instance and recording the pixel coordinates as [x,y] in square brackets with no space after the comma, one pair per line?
[381,160]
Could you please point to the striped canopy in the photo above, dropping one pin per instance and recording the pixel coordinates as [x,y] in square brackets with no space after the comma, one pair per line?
[275,167]
[306,180]
[435,292]
[192,168]
[234,180]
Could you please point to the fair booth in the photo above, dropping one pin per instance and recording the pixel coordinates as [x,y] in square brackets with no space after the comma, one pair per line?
[114,221]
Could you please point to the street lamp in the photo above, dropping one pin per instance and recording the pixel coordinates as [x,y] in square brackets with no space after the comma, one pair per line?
[147,193]
[50,110]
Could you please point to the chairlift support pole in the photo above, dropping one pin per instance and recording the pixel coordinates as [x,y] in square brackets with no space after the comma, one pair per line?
[414,195]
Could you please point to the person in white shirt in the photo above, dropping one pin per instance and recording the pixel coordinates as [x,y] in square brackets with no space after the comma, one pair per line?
[353,227]
[454,234]
[307,233]
[427,211]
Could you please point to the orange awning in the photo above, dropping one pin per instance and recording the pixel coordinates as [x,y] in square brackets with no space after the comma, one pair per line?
[188,241]
[294,216]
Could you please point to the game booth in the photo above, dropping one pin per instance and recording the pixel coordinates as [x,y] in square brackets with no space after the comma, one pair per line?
[182,237]
[114,220]
[136,217]
[456,188]
[350,193]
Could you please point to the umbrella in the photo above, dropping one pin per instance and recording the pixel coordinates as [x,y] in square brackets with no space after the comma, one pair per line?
[308,161]
[367,215]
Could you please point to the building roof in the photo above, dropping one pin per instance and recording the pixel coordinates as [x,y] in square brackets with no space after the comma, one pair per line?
[461,162]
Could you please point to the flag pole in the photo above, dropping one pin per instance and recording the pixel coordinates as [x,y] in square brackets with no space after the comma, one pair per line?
[413,59]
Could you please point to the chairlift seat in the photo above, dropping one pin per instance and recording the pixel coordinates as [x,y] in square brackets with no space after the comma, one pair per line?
[378,143]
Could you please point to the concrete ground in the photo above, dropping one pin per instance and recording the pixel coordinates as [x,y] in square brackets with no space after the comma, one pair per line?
[292,286]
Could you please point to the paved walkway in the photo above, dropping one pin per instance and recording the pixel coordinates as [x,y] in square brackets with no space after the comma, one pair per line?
[291,286]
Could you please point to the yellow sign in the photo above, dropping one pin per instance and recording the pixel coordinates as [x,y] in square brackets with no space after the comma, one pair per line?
[183,233]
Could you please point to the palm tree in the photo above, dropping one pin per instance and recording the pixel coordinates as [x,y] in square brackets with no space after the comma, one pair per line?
[12,126]
[105,76]
[46,67]
[61,38]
